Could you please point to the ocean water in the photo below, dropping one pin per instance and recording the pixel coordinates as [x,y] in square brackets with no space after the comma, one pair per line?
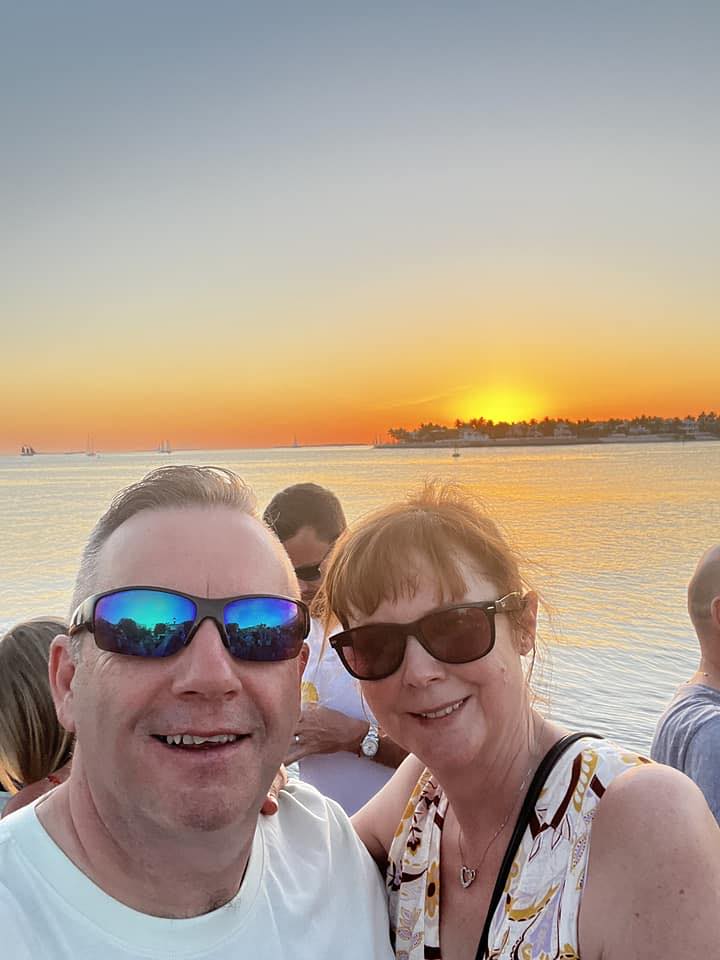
[611,533]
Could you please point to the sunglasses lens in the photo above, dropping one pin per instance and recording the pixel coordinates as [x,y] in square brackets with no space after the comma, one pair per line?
[265,628]
[309,573]
[143,623]
[375,652]
[458,635]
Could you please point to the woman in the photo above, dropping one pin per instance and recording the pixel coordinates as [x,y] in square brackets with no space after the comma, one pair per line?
[34,748]
[438,621]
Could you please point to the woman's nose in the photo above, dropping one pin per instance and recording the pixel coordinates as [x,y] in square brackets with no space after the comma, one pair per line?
[419,667]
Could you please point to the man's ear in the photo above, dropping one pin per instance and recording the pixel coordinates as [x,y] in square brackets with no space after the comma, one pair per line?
[715,612]
[61,669]
[528,624]
[303,659]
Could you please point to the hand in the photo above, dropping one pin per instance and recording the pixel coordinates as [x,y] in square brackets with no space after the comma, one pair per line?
[270,805]
[320,730]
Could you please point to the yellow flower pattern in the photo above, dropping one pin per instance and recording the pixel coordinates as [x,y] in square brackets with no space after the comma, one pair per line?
[537,918]
[432,890]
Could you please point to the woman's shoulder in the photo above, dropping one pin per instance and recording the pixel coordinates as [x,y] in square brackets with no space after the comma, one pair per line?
[581,775]
[653,834]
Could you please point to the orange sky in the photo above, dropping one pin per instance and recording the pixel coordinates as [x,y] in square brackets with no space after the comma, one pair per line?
[315,236]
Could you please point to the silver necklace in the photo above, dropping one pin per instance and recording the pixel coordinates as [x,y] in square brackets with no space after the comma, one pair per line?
[468,874]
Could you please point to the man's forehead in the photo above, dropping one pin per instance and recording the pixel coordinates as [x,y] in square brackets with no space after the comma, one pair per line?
[214,551]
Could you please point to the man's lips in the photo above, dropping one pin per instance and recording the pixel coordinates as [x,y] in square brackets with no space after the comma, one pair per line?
[197,740]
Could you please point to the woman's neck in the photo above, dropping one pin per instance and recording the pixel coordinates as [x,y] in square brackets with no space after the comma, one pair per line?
[480,796]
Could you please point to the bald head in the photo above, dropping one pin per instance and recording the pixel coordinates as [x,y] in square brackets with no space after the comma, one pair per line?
[704,595]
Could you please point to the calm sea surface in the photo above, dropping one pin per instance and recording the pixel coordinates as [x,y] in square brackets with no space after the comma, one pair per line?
[613,533]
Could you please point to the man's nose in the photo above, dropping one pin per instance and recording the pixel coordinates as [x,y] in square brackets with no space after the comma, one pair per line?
[308,588]
[419,668]
[205,667]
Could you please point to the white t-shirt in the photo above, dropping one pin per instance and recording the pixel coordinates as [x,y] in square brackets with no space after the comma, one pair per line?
[310,891]
[343,776]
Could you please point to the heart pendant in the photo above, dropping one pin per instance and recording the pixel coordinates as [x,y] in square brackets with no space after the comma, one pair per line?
[467,875]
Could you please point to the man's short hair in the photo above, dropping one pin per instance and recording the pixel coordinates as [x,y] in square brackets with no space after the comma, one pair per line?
[305,505]
[703,588]
[164,488]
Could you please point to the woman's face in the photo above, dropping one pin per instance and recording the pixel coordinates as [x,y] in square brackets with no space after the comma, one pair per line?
[486,698]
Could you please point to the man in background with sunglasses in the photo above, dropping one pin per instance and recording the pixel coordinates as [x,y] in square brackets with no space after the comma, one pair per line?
[180,678]
[339,746]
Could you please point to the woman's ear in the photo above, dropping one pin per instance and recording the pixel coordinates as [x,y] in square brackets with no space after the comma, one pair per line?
[528,623]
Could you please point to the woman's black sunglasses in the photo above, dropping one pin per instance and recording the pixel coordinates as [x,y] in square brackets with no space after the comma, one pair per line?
[154,622]
[455,634]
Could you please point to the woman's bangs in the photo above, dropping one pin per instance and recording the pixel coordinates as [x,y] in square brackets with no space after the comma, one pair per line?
[387,564]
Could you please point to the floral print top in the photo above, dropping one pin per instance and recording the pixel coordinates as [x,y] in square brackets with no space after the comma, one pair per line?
[537,918]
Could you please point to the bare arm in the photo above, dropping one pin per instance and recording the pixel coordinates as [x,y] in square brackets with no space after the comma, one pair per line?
[376,822]
[322,730]
[653,886]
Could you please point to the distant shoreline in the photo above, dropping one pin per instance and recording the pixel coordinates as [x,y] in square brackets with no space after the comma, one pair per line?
[181,450]
[543,442]
[410,445]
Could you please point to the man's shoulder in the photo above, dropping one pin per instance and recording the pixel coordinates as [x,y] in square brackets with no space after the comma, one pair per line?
[311,857]
[303,810]
[12,825]
[694,703]
[17,937]
[16,930]
[690,719]
[312,829]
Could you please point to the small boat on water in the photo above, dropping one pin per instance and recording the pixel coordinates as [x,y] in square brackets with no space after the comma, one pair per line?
[27,451]
[164,447]
[90,448]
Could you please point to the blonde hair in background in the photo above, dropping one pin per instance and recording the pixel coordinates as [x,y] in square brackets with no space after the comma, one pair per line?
[32,742]
[376,559]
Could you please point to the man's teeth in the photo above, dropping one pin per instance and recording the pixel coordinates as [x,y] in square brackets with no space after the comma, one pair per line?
[446,711]
[189,740]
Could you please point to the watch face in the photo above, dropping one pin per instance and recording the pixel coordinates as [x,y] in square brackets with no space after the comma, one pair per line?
[369,747]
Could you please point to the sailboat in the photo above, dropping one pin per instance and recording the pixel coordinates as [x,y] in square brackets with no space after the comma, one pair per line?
[90,448]
[164,447]
[27,451]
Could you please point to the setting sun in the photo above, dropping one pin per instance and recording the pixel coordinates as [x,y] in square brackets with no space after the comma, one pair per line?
[510,404]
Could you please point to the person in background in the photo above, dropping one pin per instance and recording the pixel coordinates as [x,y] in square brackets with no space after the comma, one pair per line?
[687,736]
[180,677]
[337,741]
[502,836]
[34,748]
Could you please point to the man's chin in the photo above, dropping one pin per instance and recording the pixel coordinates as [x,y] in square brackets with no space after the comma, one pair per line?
[208,818]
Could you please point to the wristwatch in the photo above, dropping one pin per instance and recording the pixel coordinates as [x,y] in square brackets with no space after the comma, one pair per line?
[371,742]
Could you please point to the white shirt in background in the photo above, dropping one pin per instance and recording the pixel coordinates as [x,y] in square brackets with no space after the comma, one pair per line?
[345,777]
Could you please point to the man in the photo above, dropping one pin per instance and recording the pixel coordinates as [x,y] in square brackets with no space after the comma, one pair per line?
[180,679]
[340,749]
[688,733]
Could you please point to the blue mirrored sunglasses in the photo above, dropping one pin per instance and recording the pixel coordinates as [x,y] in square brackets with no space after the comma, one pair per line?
[154,622]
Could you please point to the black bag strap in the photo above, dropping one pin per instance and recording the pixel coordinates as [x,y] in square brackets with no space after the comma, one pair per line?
[531,797]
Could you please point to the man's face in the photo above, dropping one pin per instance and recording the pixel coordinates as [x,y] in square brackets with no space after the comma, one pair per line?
[306,549]
[122,708]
